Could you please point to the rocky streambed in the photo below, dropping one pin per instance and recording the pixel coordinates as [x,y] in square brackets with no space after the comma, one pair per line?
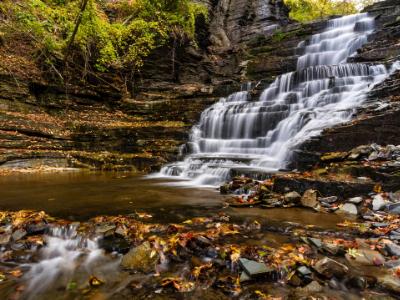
[223,252]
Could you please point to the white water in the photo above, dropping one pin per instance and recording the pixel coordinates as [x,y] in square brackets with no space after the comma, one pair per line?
[65,256]
[241,135]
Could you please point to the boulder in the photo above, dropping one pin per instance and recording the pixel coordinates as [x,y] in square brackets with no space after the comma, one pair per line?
[378,203]
[141,258]
[348,208]
[309,199]
[292,197]
[329,268]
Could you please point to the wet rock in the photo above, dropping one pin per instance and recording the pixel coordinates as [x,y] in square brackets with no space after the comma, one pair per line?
[292,197]
[114,243]
[224,189]
[390,283]
[244,277]
[378,203]
[329,268]
[392,263]
[355,200]
[105,229]
[18,234]
[357,282]
[141,258]
[379,225]
[304,271]
[295,281]
[334,284]
[365,257]
[5,238]
[392,248]
[18,246]
[332,248]
[309,199]
[329,200]
[395,197]
[255,269]
[37,229]
[348,208]
[316,242]
[394,208]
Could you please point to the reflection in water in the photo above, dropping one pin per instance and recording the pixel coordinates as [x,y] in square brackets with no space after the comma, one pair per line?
[82,195]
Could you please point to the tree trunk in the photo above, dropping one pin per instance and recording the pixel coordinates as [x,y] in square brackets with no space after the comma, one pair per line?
[77,24]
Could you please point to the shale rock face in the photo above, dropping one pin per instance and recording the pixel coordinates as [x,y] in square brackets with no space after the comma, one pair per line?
[378,120]
[237,21]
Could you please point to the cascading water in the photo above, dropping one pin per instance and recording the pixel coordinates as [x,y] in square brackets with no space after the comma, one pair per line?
[66,257]
[238,134]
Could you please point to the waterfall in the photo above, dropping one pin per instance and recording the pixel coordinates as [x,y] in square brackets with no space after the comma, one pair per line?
[239,134]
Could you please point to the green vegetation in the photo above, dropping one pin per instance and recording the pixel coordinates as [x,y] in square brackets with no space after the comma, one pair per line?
[100,34]
[308,10]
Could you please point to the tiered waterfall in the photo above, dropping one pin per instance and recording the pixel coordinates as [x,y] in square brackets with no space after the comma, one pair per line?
[239,134]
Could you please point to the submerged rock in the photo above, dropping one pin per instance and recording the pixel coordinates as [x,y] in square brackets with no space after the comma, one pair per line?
[141,258]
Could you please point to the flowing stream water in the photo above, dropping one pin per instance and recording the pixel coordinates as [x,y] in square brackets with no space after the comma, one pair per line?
[236,133]
[239,134]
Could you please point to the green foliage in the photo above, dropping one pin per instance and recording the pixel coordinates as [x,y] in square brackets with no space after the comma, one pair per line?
[308,10]
[122,39]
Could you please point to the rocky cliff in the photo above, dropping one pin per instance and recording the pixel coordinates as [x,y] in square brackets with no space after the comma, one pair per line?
[97,125]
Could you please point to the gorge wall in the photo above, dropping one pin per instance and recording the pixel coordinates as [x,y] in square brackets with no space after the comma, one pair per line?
[97,125]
